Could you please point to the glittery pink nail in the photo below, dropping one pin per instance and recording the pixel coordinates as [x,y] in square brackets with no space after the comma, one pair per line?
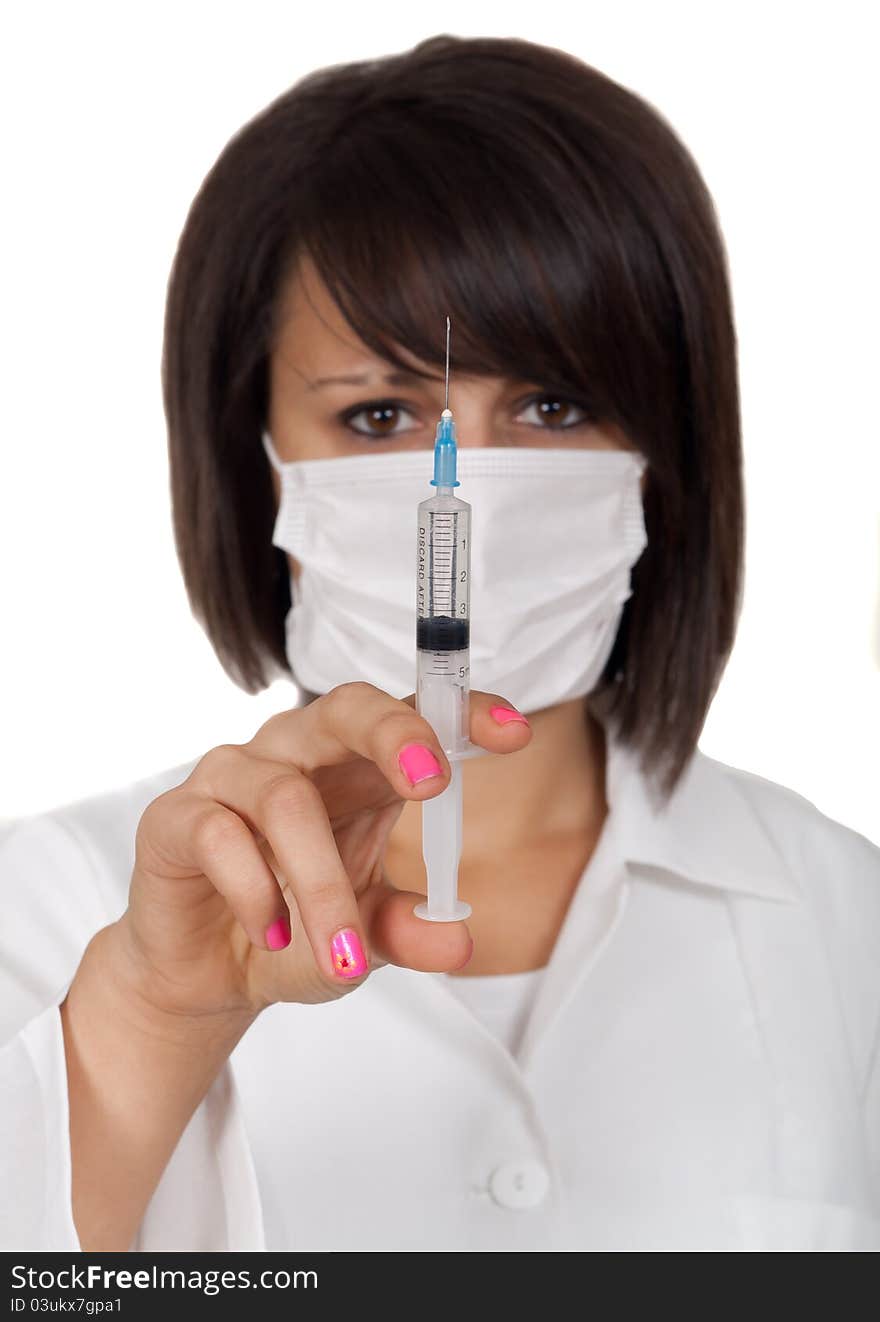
[347,954]
[504,715]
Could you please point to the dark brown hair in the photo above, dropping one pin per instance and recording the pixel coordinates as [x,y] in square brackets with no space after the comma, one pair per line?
[568,231]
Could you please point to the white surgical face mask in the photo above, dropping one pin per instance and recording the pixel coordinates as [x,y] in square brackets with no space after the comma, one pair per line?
[554,536]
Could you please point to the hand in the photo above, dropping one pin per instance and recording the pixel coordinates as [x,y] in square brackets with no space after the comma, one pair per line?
[287,832]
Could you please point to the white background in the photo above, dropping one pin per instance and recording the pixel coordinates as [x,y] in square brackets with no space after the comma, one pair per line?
[112,116]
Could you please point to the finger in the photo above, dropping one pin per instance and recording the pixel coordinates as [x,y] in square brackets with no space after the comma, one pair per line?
[200,837]
[397,936]
[279,802]
[353,720]
[359,718]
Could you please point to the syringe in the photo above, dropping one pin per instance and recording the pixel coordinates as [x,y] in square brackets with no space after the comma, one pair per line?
[443,658]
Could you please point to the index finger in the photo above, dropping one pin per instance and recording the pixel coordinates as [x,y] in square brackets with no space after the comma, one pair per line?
[361,719]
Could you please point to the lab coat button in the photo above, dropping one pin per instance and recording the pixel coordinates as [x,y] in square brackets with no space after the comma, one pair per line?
[519,1184]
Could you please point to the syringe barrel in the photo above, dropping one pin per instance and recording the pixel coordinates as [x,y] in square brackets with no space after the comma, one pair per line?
[443,617]
[443,574]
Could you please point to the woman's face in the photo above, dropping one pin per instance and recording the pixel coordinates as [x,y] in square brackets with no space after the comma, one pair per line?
[314,417]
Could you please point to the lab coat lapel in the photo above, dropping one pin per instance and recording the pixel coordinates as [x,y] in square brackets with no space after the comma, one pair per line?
[706,833]
[595,909]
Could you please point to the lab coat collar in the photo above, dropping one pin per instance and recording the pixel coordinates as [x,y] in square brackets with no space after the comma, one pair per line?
[707,833]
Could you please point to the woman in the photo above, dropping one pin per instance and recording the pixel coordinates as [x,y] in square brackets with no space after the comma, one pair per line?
[657,1029]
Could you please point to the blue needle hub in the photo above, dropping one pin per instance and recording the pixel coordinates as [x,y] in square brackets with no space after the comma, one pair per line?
[445,452]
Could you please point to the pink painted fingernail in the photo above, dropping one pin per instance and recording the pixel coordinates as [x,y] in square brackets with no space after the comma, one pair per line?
[418,763]
[278,934]
[504,715]
[347,954]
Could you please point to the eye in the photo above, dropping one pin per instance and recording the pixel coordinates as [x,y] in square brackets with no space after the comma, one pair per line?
[552,408]
[377,412]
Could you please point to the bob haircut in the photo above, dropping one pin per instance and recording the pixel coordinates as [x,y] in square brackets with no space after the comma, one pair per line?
[567,229]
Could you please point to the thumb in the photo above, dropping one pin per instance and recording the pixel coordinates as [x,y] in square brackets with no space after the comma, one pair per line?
[397,936]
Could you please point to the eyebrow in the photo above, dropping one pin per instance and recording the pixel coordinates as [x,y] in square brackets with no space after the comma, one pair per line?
[397,378]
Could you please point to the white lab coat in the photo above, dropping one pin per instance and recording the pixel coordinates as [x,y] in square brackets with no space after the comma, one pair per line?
[699,1071]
